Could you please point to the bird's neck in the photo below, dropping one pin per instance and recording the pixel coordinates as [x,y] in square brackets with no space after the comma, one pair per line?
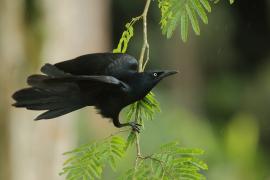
[140,86]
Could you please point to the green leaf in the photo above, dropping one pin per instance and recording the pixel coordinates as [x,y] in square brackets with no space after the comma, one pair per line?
[91,170]
[118,140]
[190,175]
[169,147]
[176,13]
[206,5]
[130,139]
[190,151]
[112,162]
[184,26]
[172,25]
[198,7]
[193,19]
[199,163]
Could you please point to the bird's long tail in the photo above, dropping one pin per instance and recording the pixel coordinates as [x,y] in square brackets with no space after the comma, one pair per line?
[57,98]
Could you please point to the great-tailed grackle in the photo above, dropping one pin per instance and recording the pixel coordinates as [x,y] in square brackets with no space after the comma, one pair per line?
[107,81]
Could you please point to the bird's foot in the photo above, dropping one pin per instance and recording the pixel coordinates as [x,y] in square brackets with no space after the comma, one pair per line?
[135,126]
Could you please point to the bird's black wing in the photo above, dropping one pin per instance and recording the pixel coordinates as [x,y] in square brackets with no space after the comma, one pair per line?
[57,75]
[99,64]
[81,79]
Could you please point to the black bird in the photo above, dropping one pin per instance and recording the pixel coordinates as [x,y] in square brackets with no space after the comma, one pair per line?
[107,81]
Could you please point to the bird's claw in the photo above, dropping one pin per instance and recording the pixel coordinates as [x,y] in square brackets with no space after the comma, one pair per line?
[135,126]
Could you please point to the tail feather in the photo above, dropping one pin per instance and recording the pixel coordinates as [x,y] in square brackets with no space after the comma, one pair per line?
[57,112]
[36,80]
[30,93]
[42,103]
[58,98]
[52,84]
[52,71]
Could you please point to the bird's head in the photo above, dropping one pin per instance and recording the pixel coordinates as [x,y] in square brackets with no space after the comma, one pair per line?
[154,77]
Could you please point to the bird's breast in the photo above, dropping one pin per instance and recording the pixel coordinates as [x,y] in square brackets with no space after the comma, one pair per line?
[137,94]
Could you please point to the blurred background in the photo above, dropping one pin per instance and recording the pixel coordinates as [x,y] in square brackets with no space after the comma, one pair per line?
[219,102]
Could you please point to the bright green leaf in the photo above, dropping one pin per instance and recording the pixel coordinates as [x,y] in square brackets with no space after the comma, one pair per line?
[206,5]
[184,26]
[193,19]
[201,12]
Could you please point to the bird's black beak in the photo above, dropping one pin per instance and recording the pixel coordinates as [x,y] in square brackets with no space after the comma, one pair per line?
[167,73]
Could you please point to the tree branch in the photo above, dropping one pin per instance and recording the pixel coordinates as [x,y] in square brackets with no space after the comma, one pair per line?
[141,67]
[145,45]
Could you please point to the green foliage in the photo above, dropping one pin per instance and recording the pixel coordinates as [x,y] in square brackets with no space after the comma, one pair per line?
[140,111]
[182,13]
[143,109]
[170,162]
[88,161]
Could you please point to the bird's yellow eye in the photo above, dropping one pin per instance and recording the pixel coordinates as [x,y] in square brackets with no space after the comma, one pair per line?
[155,74]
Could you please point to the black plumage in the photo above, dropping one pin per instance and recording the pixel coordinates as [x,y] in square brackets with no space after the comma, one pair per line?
[107,81]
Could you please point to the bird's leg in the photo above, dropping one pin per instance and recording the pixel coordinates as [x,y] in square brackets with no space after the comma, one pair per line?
[134,126]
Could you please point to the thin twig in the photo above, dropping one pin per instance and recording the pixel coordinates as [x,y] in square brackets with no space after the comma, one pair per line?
[147,57]
[137,143]
[135,19]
